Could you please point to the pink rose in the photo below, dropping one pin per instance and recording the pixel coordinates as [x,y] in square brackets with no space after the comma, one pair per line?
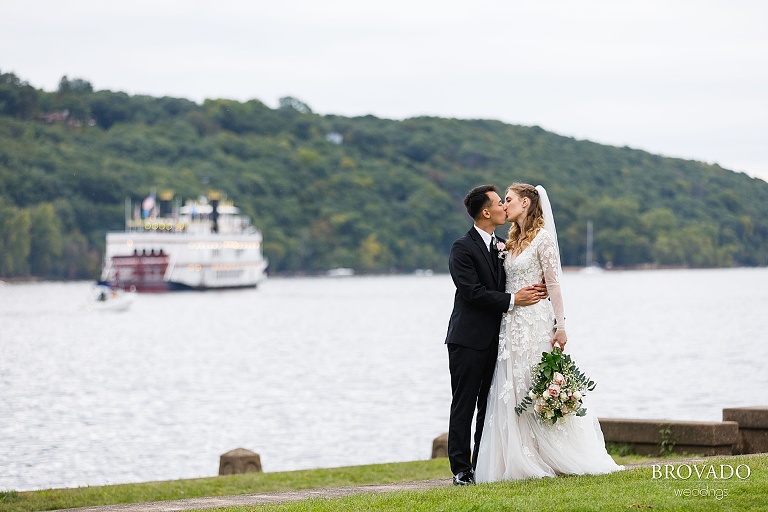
[558,379]
[500,246]
[554,390]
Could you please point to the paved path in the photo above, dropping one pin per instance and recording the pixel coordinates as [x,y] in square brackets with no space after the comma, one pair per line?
[265,498]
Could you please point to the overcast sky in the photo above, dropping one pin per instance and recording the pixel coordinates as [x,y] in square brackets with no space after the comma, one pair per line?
[682,78]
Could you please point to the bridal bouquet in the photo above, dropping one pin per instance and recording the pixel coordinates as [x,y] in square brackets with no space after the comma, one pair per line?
[557,388]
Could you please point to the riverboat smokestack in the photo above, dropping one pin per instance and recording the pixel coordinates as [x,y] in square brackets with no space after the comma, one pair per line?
[214,200]
[166,206]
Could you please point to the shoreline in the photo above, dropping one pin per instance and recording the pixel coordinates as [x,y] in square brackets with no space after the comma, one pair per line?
[288,275]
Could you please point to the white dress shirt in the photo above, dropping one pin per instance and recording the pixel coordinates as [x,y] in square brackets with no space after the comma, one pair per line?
[487,237]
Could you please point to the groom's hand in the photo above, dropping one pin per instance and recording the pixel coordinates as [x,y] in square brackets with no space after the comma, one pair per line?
[528,295]
[542,289]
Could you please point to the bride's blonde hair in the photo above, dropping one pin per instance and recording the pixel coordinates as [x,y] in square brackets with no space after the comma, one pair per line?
[533,222]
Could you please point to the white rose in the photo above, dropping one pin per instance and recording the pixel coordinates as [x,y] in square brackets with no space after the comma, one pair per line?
[577,395]
[563,396]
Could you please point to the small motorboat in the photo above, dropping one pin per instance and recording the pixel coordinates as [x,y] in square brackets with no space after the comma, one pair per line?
[107,298]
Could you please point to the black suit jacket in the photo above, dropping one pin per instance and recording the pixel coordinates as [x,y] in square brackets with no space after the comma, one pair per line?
[480,299]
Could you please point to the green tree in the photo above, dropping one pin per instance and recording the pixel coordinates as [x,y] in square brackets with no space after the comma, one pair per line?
[17,98]
[45,240]
[668,250]
[109,108]
[14,241]
[71,97]
[699,246]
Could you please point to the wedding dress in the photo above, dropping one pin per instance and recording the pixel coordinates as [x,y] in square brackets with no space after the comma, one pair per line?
[514,447]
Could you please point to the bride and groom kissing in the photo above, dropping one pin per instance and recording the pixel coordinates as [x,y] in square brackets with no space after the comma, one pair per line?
[500,324]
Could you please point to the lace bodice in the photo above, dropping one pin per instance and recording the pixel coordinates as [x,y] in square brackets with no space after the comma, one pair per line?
[538,262]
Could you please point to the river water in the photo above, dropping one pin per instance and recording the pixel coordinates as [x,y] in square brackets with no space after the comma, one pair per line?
[323,372]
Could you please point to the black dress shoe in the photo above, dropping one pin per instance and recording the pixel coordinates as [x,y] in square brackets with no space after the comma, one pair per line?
[464,478]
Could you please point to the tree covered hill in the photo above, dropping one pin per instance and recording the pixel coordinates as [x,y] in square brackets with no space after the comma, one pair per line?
[327,191]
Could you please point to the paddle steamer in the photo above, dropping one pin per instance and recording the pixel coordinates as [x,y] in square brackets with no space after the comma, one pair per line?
[203,244]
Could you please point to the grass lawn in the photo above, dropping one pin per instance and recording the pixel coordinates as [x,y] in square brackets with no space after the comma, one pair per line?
[223,485]
[634,489]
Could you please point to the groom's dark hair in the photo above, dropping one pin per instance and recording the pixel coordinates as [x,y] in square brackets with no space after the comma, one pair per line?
[477,199]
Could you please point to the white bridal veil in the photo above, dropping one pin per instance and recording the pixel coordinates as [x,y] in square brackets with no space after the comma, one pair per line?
[549,223]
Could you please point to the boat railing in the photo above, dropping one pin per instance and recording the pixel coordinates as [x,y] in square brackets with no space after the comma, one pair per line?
[226,225]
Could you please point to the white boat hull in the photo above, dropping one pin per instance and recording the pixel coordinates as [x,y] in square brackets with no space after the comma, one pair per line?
[154,262]
[118,300]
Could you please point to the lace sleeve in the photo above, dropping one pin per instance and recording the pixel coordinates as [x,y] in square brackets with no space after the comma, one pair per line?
[549,259]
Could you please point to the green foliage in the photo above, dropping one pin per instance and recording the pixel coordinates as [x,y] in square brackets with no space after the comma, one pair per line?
[620,449]
[14,241]
[45,240]
[17,98]
[668,441]
[327,191]
[570,385]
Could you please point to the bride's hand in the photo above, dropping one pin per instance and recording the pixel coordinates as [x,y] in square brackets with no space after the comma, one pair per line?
[559,339]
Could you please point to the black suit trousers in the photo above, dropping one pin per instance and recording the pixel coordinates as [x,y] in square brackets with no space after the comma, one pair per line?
[471,375]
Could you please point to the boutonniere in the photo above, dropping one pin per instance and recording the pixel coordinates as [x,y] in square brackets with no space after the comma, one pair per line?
[502,248]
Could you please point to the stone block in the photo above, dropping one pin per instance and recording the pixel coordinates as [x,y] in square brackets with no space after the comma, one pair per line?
[648,436]
[440,446]
[239,461]
[753,428]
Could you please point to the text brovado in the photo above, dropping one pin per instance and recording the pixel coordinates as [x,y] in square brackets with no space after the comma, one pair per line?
[700,471]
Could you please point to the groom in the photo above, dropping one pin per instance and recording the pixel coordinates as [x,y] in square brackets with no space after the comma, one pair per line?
[473,330]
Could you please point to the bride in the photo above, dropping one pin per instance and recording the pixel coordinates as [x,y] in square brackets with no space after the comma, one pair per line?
[515,447]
